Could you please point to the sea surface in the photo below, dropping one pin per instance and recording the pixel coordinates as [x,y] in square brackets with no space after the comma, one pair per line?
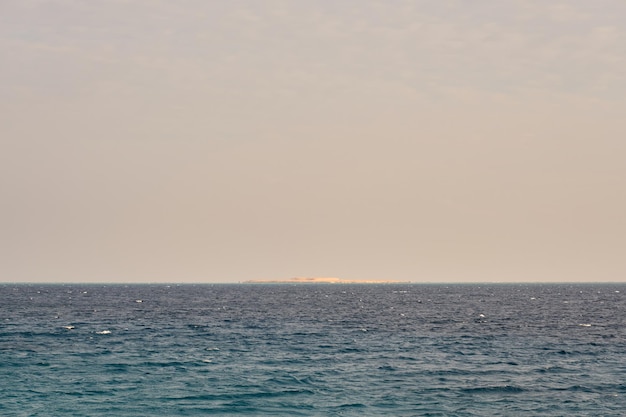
[313,350]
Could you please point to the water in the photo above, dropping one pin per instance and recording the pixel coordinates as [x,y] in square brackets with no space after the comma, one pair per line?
[312,350]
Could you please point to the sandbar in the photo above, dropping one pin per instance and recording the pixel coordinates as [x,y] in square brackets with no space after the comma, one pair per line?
[319,280]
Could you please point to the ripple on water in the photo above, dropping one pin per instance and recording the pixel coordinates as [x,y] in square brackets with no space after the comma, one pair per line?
[312,350]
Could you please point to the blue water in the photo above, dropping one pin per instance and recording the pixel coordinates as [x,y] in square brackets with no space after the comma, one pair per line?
[313,350]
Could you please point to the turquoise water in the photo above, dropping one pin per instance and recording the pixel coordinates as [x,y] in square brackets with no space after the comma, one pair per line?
[312,350]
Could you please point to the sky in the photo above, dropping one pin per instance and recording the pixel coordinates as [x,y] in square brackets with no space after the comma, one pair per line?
[224,141]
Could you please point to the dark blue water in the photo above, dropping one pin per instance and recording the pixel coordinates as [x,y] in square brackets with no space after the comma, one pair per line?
[313,350]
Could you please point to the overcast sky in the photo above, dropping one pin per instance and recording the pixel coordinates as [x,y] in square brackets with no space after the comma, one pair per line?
[221,141]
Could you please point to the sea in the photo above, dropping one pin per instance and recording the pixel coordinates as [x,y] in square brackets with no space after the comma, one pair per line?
[313,350]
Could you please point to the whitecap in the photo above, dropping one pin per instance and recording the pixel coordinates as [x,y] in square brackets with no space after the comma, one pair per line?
[139,301]
[68,327]
[584,324]
[104,332]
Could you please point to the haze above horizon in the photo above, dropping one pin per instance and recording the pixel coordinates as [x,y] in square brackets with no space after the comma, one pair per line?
[448,141]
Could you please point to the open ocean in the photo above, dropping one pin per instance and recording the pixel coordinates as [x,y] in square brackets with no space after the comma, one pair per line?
[313,350]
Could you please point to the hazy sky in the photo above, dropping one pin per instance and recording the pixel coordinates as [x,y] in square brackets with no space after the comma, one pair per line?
[218,141]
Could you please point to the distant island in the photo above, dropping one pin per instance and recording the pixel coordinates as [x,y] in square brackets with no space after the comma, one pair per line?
[319,280]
